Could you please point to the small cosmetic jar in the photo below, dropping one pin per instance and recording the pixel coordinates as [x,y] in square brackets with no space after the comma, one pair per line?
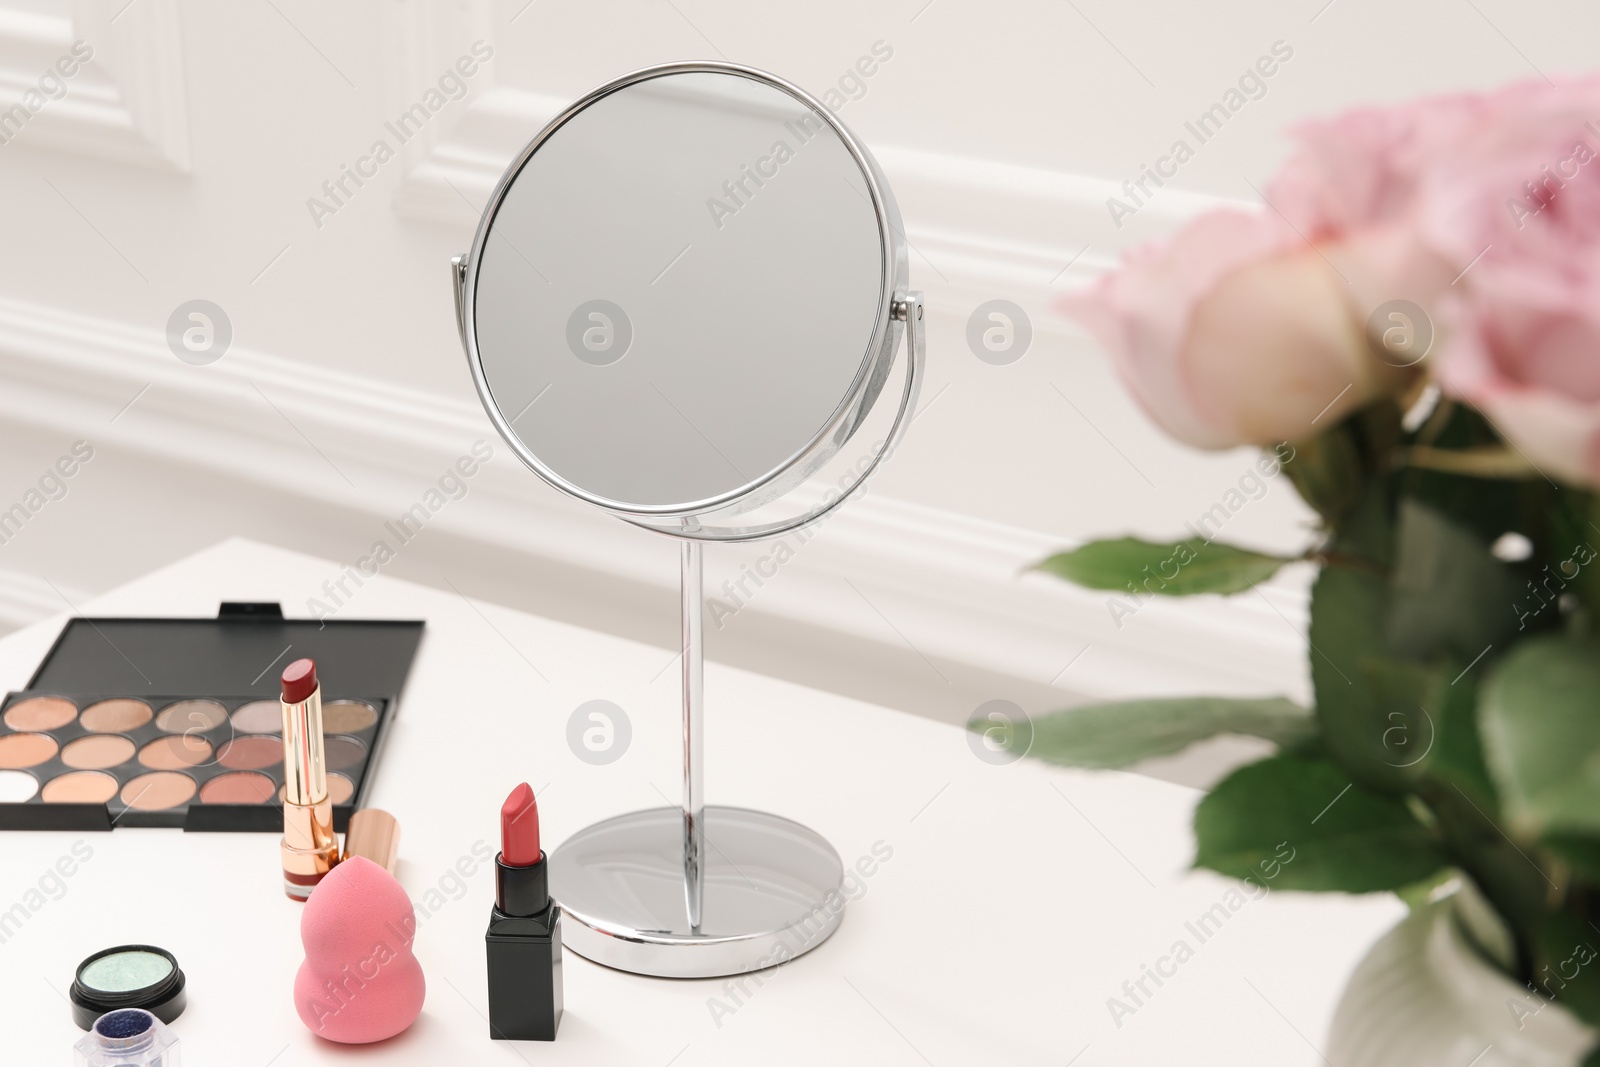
[128,976]
[127,1037]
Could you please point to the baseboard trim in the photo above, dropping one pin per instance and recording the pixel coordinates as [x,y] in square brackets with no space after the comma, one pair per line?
[949,586]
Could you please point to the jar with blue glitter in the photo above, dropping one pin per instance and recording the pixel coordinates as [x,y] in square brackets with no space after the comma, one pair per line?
[128,1037]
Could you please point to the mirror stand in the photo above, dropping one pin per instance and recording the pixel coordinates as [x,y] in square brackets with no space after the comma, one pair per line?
[698,891]
[693,598]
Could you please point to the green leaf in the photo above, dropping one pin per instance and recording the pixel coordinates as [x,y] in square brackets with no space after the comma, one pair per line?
[1457,757]
[1183,568]
[1348,608]
[1582,854]
[1568,968]
[1406,708]
[1450,595]
[1115,735]
[1418,895]
[1327,471]
[1507,876]
[1541,728]
[1573,546]
[1342,836]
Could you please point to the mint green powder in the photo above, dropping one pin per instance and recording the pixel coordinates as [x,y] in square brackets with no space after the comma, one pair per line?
[123,972]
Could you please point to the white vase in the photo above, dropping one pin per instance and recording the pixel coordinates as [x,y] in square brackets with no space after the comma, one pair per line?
[1425,996]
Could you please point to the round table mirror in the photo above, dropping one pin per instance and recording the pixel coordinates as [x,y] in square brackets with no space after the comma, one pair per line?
[684,298]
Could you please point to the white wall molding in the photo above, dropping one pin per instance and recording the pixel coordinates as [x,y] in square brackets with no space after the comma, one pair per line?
[978,228]
[953,585]
[452,181]
[459,158]
[126,104]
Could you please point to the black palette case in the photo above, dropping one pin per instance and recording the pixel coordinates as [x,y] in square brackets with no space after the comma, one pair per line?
[233,660]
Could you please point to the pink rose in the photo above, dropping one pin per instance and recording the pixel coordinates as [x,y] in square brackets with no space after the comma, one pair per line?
[1363,168]
[1522,206]
[1531,364]
[1483,210]
[1235,331]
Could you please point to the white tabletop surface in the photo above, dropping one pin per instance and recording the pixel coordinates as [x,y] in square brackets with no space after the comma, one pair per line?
[1017,901]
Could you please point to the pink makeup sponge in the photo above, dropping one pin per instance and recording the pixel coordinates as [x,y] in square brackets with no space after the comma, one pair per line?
[360,982]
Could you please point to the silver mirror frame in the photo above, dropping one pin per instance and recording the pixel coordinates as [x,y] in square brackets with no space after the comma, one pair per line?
[896,306]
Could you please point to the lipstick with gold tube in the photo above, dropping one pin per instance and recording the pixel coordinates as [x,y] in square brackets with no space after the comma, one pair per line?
[310,848]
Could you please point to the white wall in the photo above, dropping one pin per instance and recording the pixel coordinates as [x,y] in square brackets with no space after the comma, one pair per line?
[179,165]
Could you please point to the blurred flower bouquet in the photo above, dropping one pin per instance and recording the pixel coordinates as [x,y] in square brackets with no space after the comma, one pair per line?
[1416,313]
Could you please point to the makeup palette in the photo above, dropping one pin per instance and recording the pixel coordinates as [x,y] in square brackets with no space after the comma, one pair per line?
[176,722]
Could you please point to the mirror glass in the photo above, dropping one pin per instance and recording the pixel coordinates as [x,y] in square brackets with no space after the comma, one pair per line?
[679,289]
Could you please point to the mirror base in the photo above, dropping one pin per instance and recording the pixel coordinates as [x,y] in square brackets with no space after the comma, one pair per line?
[773,891]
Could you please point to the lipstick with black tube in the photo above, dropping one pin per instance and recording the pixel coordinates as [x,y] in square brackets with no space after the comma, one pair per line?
[524,938]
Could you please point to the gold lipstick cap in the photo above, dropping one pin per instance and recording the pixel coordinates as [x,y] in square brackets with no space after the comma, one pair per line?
[374,834]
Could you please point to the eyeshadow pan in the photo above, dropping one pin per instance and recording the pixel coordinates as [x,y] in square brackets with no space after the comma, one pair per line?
[250,753]
[259,717]
[175,753]
[347,716]
[240,787]
[40,713]
[125,972]
[158,790]
[25,750]
[80,787]
[340,789]
[17,787]
[342,753]
[187,764]
[97,752]
[191,716]
[115,716]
